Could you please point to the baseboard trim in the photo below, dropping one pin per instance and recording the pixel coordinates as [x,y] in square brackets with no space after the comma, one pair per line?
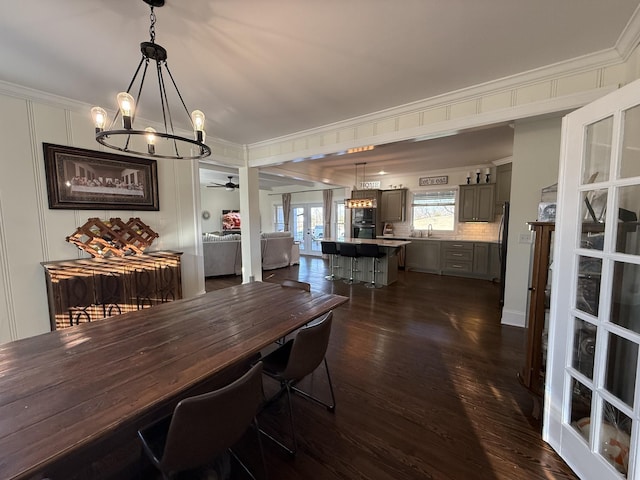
[513,317]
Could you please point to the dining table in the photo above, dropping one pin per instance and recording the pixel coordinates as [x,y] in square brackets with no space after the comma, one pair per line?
[64,393]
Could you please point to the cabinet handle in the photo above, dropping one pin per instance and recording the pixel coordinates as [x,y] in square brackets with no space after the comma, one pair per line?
[456,254]
[456,266]
[532,289]
[457,245]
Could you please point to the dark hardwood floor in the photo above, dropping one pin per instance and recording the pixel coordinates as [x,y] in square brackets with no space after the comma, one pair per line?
[425,384]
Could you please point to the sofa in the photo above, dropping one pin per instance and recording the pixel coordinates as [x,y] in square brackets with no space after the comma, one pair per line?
[276,250]
[223,253]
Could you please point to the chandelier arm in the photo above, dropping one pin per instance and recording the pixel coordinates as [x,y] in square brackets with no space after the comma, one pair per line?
[135,110]
[164,100]
[166,65]
[115,117]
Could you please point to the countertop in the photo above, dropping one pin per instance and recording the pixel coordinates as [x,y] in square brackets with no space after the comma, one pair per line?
[380,241]
[437,238]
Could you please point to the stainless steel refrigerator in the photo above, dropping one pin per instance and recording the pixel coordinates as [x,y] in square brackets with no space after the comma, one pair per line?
[503,235]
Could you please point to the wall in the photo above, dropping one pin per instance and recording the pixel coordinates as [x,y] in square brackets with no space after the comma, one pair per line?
[214,200]
[536,154]
[31,233]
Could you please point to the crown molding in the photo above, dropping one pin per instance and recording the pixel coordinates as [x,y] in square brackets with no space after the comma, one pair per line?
[602,59]
[447,127]
[630,36]
[502,161]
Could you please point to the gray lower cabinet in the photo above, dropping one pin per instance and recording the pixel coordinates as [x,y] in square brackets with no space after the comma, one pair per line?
[423,256]
[447,257]
[457,258]
[481,259]
[494,261]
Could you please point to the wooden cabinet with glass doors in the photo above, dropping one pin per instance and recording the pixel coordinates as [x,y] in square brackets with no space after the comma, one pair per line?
[533,370]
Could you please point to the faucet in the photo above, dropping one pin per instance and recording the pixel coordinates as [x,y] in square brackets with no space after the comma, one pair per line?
[429,230]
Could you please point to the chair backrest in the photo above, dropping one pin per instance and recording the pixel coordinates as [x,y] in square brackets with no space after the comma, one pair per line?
[206,425]
[329,248]
[369,250]
[348,250]
[308,349]
[296,284]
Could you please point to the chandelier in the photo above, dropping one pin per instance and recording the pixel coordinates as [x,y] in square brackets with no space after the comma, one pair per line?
[143,141]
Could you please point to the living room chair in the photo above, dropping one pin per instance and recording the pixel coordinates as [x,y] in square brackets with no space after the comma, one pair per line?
[293,361]
[205,426]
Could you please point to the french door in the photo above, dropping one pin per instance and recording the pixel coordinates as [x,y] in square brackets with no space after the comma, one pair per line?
[308,227]
[592,398]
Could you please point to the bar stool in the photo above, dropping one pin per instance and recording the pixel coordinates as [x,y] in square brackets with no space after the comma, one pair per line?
[331,249]
[350,250]
[372,251]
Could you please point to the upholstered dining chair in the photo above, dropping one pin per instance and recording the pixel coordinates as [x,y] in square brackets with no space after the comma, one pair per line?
[205,426]
[288,283]
[293,361]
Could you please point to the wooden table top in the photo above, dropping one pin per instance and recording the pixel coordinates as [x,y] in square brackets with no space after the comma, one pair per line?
[64,389]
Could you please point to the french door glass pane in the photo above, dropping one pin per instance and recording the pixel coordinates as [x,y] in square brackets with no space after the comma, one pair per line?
[630,161]
[625,310]
[615,437]
[594,208]
[628,237]
[584,347]
[595,167]
[580,414]
[588,285]
[620,374]
[298,226]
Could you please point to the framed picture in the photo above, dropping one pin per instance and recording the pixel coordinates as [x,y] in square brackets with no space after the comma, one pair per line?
[78,178]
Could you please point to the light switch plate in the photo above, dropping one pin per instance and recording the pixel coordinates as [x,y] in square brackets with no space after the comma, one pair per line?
[525,238]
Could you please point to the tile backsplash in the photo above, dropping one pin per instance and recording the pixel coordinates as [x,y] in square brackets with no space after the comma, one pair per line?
[487,232]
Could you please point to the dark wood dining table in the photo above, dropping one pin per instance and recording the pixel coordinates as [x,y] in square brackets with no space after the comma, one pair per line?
[67,390]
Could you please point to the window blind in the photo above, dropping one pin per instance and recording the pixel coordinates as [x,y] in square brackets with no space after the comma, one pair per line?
[434,199]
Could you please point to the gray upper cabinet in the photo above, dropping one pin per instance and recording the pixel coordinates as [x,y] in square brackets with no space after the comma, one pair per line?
[477,202]
[503,184]
[393,205]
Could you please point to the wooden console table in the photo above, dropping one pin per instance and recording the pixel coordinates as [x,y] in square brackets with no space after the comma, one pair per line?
[90,289]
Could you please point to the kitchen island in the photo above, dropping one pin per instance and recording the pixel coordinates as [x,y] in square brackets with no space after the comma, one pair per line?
[387,267]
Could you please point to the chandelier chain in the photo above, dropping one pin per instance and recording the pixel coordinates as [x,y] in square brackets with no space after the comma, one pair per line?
[152,26]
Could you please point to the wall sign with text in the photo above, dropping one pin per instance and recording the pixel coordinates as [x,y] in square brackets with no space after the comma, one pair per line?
[442,180]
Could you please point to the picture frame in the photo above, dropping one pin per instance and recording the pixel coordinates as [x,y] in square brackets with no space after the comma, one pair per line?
[78,178]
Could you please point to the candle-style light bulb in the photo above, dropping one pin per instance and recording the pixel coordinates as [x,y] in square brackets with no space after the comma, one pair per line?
[197,117]
[99,116]
[126,105]
[151,140]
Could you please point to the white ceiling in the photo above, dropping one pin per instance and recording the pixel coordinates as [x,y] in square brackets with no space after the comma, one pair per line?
[260,69]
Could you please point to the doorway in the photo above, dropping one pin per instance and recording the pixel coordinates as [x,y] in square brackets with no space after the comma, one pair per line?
[308,227]
[592,413]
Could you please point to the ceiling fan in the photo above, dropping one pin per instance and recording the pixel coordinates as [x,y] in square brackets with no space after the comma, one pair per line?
[229,186]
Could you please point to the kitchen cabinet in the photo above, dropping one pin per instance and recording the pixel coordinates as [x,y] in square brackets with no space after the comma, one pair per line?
[532,375]
[477,202]
[457,258]
[494,261]
[503,184]
[481,259]
[423,256]
[393,205]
